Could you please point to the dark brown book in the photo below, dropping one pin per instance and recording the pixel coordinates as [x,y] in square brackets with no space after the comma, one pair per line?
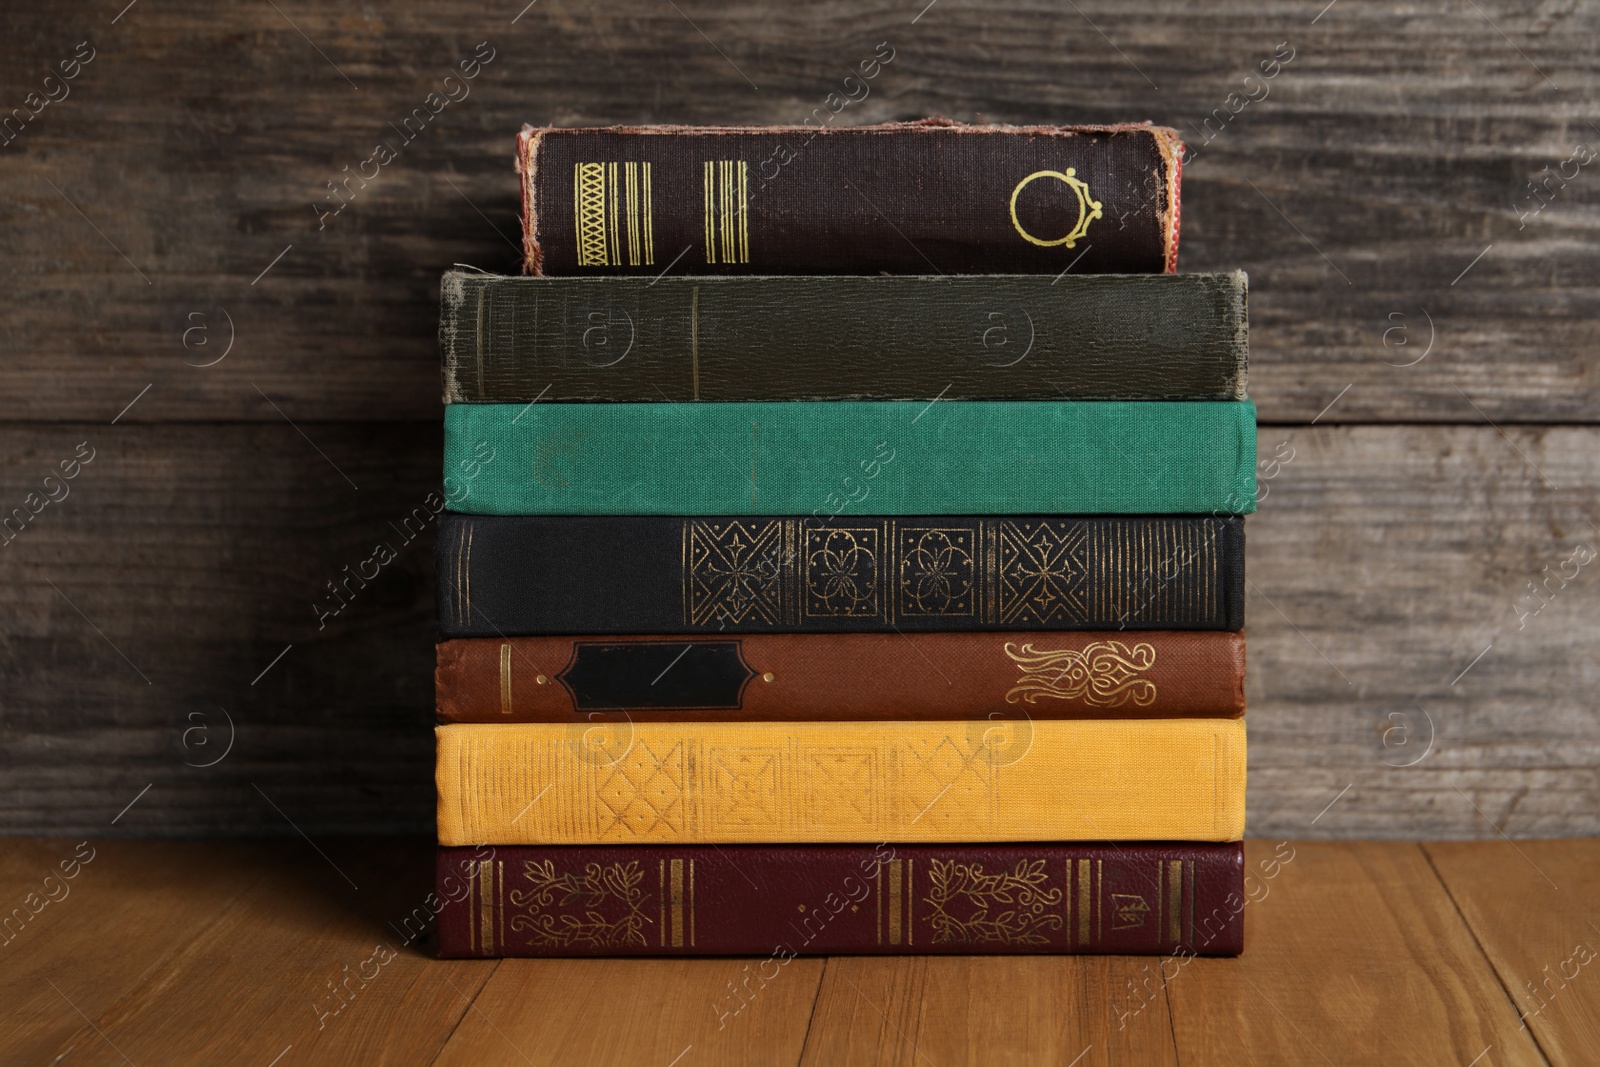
[860,676]
[782,901]
[930,197]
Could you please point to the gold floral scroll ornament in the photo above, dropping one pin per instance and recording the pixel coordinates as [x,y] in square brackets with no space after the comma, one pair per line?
[1106,674]
[1088,210]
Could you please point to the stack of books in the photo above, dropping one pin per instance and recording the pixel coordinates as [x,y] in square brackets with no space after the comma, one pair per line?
[845,552]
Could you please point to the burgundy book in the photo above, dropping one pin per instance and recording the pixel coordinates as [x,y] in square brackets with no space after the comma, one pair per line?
[806,900]
[931,197]
[1149,674]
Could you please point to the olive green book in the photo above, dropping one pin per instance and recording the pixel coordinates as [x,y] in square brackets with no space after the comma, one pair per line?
[969,337]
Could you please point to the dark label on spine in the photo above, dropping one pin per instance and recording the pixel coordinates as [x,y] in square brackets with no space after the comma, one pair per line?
[660,675]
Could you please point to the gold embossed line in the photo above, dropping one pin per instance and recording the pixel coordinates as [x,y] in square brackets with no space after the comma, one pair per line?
[487,891]
[1175,902]
[613,210]
[505,679]
[677,897]
[612,216]
[1085,903]
[726,202]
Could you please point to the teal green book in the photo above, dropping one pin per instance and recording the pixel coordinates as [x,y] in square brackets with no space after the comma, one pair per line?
[854,457]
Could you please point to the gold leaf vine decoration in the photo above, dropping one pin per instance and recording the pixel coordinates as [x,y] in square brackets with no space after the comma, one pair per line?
[1106,674]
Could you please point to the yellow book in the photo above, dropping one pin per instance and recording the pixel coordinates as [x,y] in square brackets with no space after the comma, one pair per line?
[778,782]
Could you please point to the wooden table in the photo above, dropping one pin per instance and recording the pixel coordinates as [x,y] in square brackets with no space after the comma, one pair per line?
[228,953]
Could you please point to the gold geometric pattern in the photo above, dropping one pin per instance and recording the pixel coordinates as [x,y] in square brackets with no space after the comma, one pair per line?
[938,571]
[600,220]
[1043,572]
[1105,674]
[733,572]
[1017,573]
[845,777]
[641,793]
[841,571]
[949,780]
[745,788]
[727,221]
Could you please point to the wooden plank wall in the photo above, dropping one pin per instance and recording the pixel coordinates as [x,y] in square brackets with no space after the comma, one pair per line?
[1424,361]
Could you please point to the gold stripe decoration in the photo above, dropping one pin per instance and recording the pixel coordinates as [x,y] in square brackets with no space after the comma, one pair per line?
[1088,209]
[895,892]
[631,180]
[727,208]
[505,679]
[1175,901]
[1105,674]
[706,179]
[676,897]
[1099,883]
[486,891]
[649,216]
[460,575]
[1084,903]
[613,212]
[877,900]
[612,218]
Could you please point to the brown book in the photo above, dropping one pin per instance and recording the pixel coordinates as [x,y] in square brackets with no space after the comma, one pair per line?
[1172,898]
[933,197]
[855,676]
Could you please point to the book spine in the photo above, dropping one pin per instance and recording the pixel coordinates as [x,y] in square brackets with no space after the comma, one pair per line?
[997,337]
[782,901]
[822,677]
[901,198]
[885,458]
[798,782]
[621,574]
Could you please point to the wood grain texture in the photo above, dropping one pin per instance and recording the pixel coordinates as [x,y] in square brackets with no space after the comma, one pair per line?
[147,611]
[1388,153]
[114,926]
[1353,954]
[1530,907]
[627,1012]
[1386,652]
[307,960]
[989,1010]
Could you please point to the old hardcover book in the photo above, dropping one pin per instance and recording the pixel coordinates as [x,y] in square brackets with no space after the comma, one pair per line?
[1029,675]
[839,782]
[972,337]
[638,574]
[782,901]
[996,457]
[930,197]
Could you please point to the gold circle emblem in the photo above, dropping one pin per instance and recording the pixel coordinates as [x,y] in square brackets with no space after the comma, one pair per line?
[1088,210]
